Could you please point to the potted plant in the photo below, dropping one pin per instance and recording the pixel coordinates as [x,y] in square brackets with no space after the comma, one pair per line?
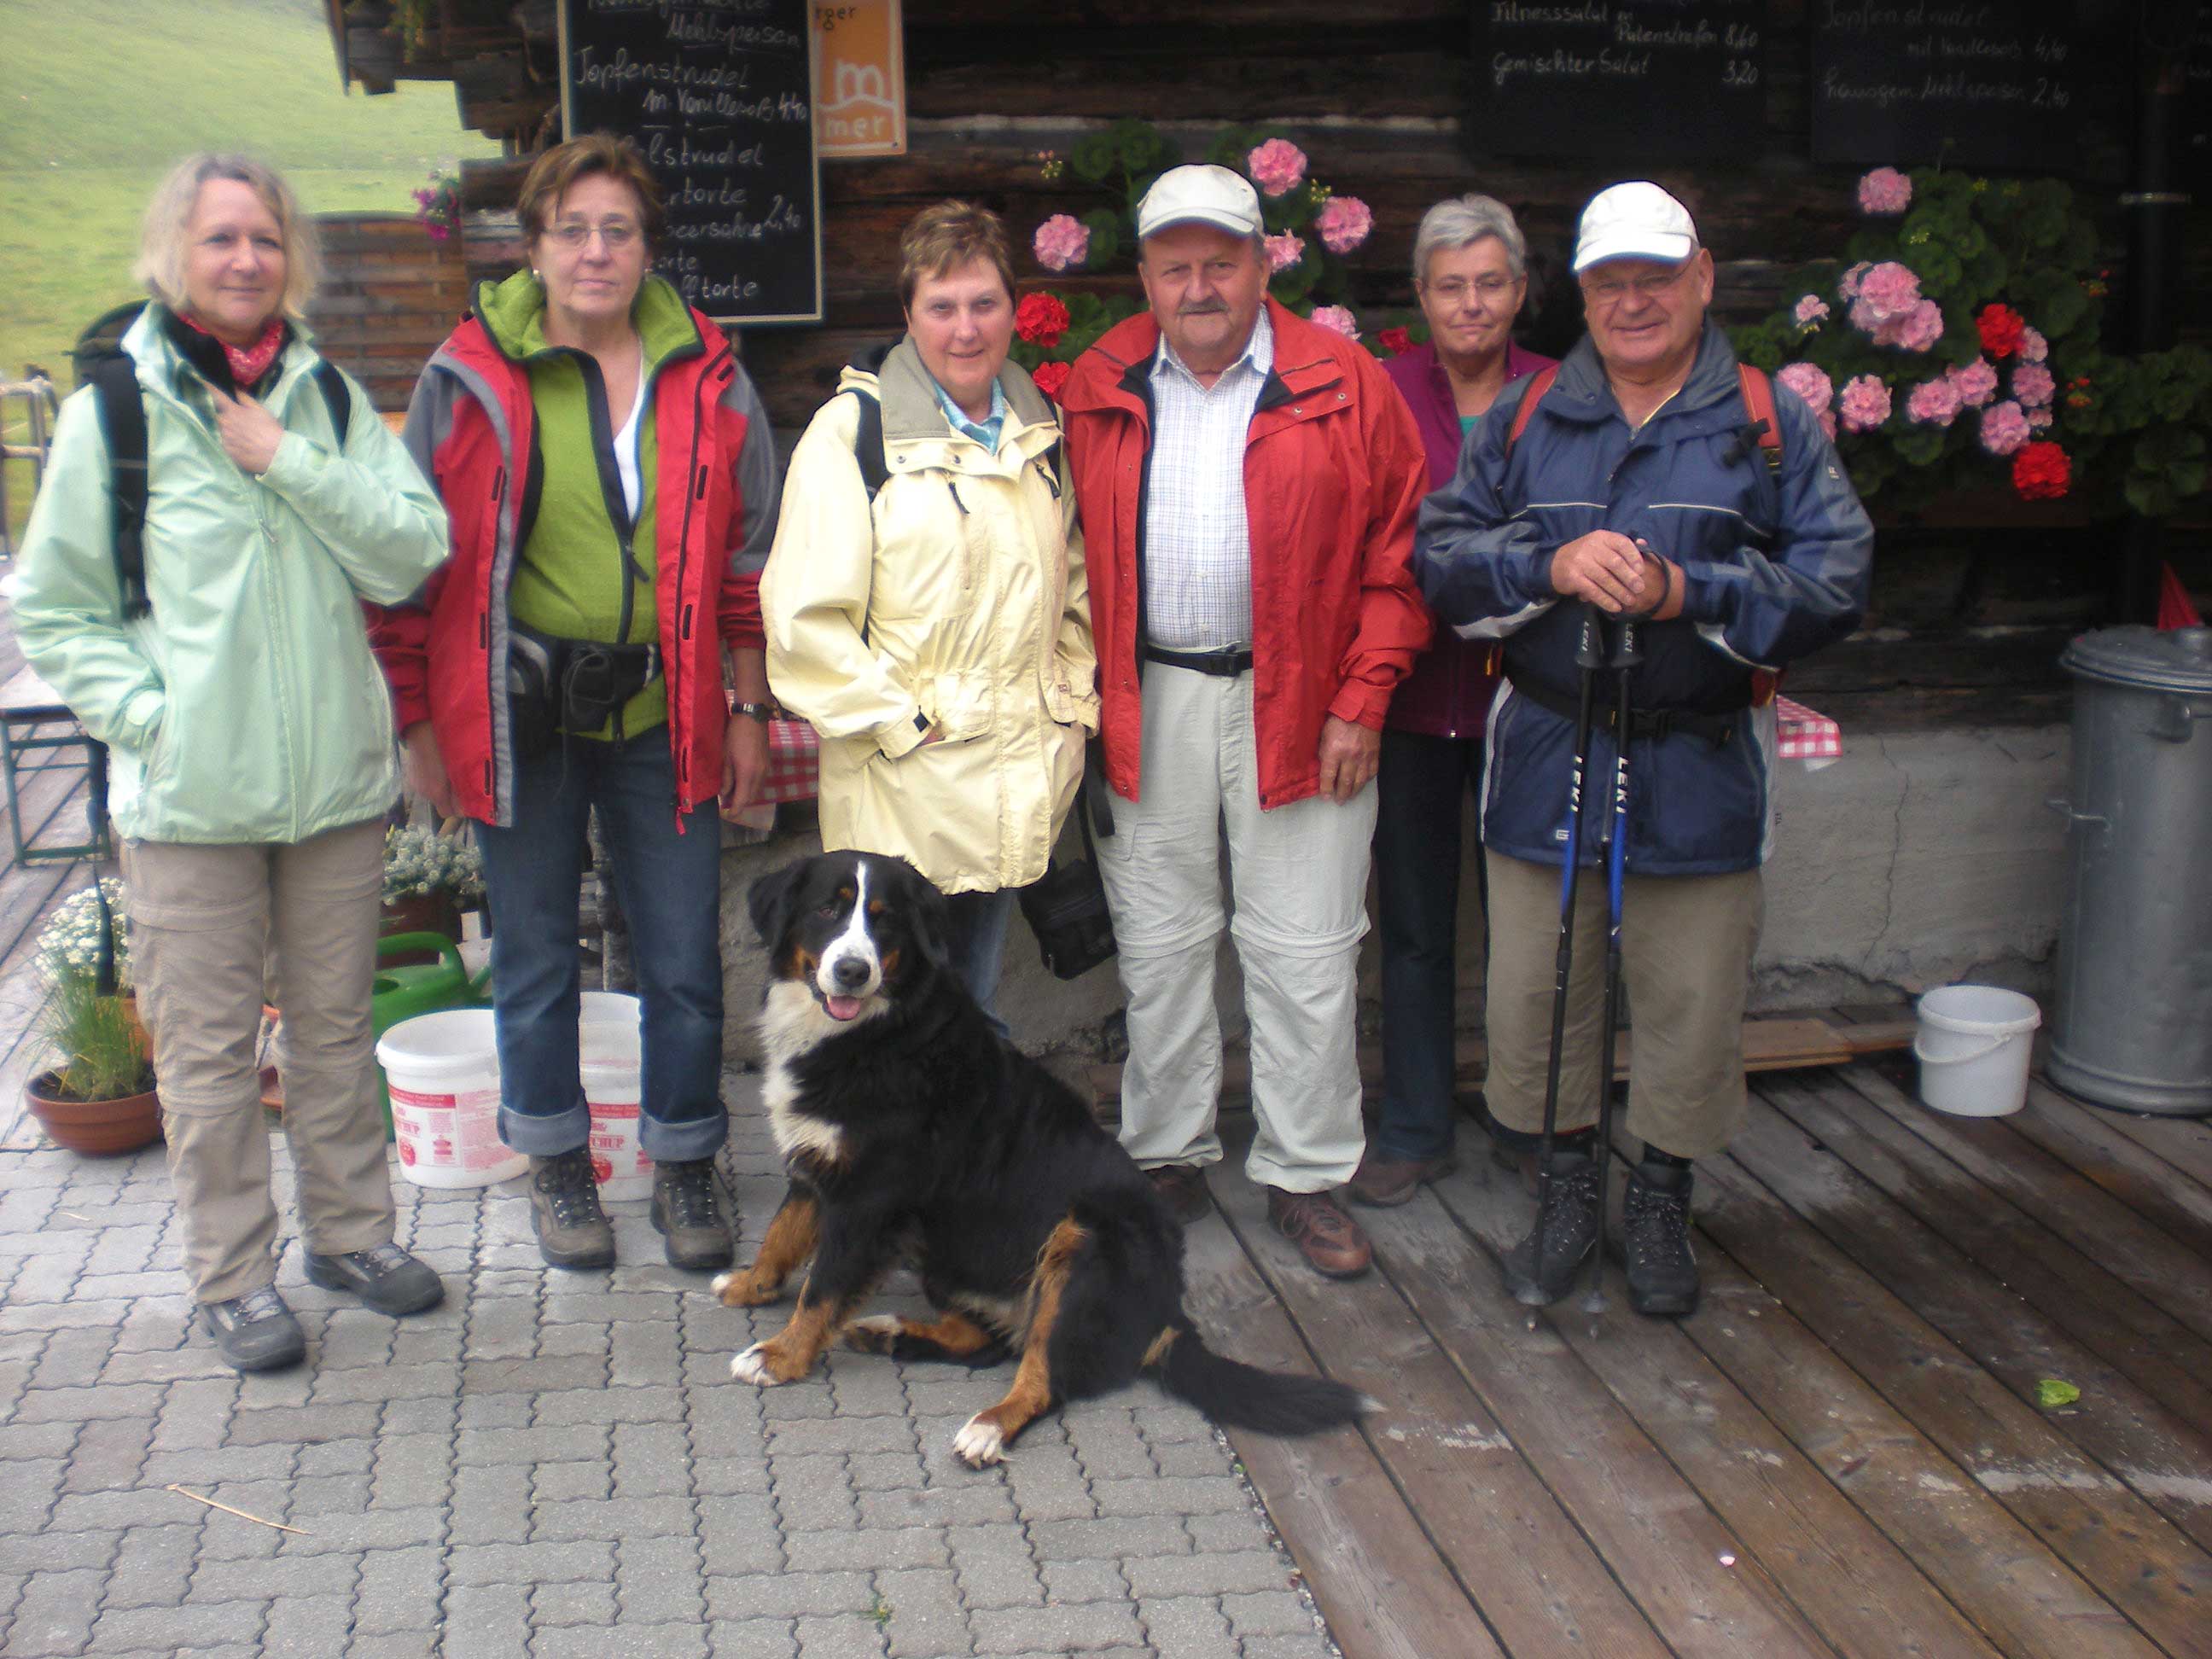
[98,1097]
[430,876]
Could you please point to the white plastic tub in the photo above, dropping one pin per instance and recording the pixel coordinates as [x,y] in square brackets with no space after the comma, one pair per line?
[1974,1046]
[612,1054]
[443,1072]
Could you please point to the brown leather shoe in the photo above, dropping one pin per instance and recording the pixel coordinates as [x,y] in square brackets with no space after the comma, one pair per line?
[1385,1183]
[1183,1186]
[1330,1240]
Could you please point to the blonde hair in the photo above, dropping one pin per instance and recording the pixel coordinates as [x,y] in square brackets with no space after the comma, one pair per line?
[946,236]
[160,266]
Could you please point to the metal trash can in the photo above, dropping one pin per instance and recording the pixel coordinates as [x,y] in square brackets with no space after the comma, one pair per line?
[2134,1024]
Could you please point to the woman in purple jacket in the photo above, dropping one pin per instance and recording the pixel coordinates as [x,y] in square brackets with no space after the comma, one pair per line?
[1470,272]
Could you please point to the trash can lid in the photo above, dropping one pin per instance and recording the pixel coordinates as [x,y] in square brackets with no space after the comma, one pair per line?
[2157,660]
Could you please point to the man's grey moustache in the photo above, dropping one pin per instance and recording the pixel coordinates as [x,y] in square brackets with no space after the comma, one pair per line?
[1204,311]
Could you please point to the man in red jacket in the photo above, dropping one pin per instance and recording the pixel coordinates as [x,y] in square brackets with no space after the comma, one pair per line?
[1247,483]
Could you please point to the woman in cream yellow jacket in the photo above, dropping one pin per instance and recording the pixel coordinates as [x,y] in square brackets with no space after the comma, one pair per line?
[937,634]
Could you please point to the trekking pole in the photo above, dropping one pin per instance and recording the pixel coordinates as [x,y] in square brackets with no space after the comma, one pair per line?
[1626,653]
[1589,657]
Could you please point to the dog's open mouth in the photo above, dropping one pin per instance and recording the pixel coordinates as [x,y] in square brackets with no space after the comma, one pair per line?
[841,1008]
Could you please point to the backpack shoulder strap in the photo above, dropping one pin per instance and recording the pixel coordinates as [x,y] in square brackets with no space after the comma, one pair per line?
[868,444]
[1525,410]
[114,380]
[1759,410]
[338,398]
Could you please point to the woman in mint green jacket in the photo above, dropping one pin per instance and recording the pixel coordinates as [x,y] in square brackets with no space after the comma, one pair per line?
[251,733]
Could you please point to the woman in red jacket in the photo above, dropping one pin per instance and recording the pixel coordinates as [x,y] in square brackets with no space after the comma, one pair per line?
[611,482]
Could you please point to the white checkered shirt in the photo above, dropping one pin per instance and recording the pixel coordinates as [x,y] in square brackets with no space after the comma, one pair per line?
[1198,545]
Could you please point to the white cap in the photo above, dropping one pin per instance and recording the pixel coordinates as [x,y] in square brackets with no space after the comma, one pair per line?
[1635,220]
[1200,195]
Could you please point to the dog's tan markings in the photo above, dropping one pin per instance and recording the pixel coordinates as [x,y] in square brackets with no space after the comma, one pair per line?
[1157,1353]
[890,963]
[790,1240]
[790,1353]
[983,1439]
[955,1333]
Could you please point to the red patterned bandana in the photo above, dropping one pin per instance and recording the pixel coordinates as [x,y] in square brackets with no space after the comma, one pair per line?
[248,365]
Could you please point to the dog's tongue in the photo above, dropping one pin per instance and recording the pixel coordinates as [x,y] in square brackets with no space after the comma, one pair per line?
[842,1007]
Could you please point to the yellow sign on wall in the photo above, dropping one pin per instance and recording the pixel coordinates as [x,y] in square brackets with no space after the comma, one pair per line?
[860,100]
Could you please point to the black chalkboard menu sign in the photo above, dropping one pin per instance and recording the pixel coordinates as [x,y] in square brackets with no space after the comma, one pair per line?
[719,94]
[1976,83]
[1622,79]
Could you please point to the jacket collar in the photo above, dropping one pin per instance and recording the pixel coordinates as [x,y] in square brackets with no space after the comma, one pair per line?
[164,369]
[1305,360]
[1583,395]
[915,430]
[513,315]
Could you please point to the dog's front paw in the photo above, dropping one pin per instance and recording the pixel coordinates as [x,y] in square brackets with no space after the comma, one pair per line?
[875,1333]
[751,1366]
[979,1443]
[767,1364]
[744,1287]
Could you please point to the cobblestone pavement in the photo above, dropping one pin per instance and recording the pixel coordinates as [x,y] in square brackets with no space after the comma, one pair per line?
[555,1464]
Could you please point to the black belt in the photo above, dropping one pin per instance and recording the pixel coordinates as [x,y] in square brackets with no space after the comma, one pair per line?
[1716,726]
[1226,660]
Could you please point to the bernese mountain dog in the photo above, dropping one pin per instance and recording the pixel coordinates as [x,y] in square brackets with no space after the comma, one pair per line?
[913,1135]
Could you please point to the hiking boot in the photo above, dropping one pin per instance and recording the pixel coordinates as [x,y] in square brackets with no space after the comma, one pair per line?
[1571,1214]
[1662,1273]
[1182,1186]
[255,1332]
[383,1276]
[573,1230]
[1330,1239]
[1384,1183]
[687,1213]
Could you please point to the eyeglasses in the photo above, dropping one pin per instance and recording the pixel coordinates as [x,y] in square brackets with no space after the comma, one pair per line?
[1454,289]
[616,234]
[1612,290]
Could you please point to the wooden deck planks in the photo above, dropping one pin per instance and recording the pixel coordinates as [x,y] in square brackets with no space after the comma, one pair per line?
[2091,1143]
[2121,1546]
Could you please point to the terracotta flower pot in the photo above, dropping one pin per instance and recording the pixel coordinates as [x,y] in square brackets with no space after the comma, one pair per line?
[101,1128]
[427,913]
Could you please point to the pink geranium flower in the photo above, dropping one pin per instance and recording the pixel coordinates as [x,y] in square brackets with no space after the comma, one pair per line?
[1933,402]
[2037,419]
[2004,427]
[1284,252]
[1884,190]
[1864,404]
[1339,320]
[1913,331]
[1847,285]
[1812,310]
[2032,385]
[1888,290]
[2034,347]
[1343,223]
[1809,382]
[1277,166]
[1976,382]
[1062,242]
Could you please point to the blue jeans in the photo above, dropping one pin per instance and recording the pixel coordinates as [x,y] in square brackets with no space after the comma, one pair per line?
[1423,782]
[976,945]
[668,885]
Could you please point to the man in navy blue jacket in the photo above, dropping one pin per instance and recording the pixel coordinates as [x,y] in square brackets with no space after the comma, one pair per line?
[1636,485]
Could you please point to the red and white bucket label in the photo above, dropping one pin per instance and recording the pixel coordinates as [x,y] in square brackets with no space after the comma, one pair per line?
[456,1132]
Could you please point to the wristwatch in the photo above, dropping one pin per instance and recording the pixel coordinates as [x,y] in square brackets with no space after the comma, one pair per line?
[762,712]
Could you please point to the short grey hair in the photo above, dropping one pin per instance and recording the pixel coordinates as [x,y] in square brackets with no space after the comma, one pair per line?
[1462,222]
[160,266]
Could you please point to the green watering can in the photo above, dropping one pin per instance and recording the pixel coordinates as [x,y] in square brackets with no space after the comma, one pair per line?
[424,987]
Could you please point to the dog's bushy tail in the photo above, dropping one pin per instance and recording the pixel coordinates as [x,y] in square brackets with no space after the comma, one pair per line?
[1245,1397]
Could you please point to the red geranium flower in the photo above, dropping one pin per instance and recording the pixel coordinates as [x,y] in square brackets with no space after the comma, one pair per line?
[2001,327]
[2041,473]
[1040,320]
[1395,341]
[1050,377]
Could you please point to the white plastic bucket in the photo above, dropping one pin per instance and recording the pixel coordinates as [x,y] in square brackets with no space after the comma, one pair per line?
[612,1051]
[443,1070]
[1973,1046]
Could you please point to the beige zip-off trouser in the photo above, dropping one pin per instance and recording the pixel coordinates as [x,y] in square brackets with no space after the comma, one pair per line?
[209,927]
[1299,873]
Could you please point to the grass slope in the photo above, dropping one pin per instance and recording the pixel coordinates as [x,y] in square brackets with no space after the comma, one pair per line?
[101,97]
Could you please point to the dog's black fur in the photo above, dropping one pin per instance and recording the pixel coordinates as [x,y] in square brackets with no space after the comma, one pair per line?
[913,1133]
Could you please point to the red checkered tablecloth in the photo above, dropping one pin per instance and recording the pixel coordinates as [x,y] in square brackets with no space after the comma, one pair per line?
[1804,735]
[794,762]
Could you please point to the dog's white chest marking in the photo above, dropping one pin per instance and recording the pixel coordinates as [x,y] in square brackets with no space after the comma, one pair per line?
[791,1023]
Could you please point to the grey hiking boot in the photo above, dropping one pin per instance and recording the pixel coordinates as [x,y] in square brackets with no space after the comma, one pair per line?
[1569,1215]
[255,1332]
[687,1213]
[573,1230]
[1662,1272]
[383,1276]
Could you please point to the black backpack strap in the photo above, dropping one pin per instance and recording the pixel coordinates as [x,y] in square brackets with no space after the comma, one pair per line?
[338,398]
[868,445]
[123,424]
